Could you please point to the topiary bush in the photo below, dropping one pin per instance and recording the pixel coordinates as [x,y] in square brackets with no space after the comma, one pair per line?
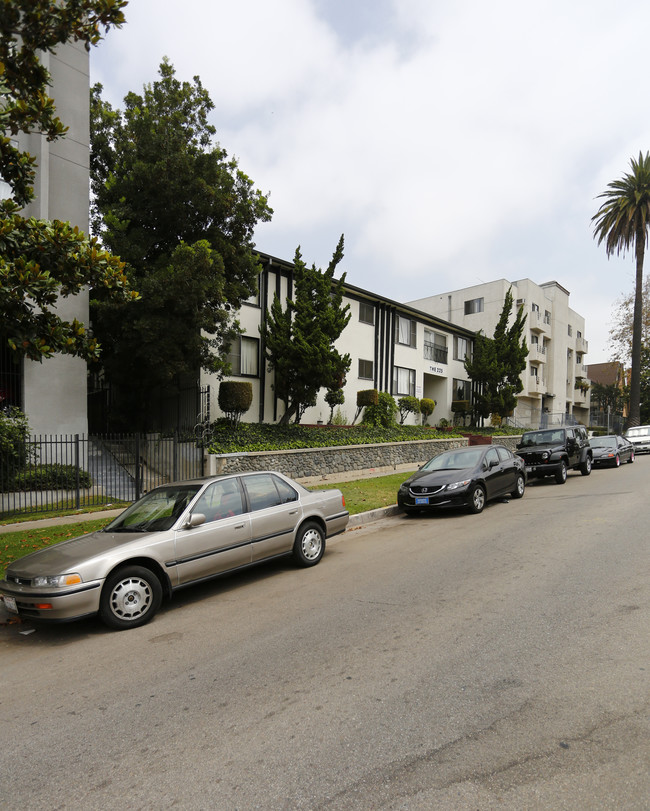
[235,398]
[365,397]
[426,408]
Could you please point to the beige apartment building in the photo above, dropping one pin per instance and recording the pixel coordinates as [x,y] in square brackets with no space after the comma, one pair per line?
[53,393]
[555,385]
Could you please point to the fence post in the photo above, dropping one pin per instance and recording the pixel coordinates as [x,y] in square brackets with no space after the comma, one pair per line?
[175,452]
[137,466]
[76,468]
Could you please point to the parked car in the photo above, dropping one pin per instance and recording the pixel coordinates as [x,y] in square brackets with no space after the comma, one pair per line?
[611,450]
[553,451]
[464,477]
[639,436]
[174,536]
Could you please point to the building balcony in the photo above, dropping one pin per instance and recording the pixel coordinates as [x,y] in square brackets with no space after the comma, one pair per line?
[536,386]
[582,345]
[537,353]
[538,322]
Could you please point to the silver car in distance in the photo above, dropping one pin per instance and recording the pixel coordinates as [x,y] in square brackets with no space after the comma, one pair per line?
[174,536]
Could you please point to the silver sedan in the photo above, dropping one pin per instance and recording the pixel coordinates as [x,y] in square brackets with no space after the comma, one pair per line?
[174,536]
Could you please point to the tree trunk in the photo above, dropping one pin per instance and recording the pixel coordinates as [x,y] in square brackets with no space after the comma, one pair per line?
[637,329]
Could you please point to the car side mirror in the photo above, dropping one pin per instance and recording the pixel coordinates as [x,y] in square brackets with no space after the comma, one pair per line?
[195,520]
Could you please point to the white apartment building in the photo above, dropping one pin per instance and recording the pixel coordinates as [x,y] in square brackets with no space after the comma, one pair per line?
[555,378]
[53,393]
[394,347]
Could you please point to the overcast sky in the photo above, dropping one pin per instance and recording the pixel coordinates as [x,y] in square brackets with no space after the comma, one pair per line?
[451,142]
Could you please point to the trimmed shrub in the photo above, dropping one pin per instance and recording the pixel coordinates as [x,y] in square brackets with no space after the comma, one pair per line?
[51,477]
[235,398]
[333,398]
[381,415]
[427,406]
[365,397]
[406,406]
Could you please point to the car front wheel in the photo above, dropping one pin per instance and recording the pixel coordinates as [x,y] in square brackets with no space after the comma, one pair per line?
[476,499]
[130,598]
[309,544]
[617,461]
[520,486]
[560,476]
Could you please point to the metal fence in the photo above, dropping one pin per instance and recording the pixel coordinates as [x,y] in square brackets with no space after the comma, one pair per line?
[52,473]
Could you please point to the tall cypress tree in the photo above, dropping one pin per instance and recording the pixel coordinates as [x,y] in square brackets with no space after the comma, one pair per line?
[300,339]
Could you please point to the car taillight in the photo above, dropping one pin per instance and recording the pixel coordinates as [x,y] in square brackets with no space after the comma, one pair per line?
[343,500]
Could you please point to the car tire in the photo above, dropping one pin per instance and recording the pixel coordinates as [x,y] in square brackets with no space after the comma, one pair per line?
[585,467]
[617,461]
[560,476]
[130,598]
[476,500]
[631,459]
[309,546]
[520,486]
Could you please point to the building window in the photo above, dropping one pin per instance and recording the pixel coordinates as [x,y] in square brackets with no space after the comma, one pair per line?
[534,339]
[366,369]
[462,390]
[547,317]
[366,313]
[404,381]
[578,334]
[533,371]
[535,308]
[570,330]
[474,305]
[244,356]
[461,348]
[435,346]
[405,331]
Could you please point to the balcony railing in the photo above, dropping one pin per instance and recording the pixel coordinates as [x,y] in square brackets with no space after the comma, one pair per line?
[435,352]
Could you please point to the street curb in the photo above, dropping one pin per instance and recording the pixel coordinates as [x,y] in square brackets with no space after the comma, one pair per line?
[360,519]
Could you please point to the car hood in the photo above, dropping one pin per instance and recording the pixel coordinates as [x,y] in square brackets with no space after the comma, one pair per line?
[68,556]
[432,478]
[600,451]
[539,448]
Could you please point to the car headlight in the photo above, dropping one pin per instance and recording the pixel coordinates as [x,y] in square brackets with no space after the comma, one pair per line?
[404,488]
[456,485]
[56,581]
[545,456]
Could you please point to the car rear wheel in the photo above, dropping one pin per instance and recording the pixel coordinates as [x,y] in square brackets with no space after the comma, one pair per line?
[585,467]
[520,486]
[309,545]
[560,476]
[631,459]
[476,499]
[130,598]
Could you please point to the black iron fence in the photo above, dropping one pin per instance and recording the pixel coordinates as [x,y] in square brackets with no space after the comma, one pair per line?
[52,473]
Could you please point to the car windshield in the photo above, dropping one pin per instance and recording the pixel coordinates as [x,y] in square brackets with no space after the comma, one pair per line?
[454,460]
[640,430]
[541,438]
[603,442]
[158,510]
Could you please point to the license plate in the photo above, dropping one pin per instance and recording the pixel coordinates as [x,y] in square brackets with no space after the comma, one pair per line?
[528,468]
[421,500]
[10,604]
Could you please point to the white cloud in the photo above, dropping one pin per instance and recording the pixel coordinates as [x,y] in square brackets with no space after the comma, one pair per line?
[452,143]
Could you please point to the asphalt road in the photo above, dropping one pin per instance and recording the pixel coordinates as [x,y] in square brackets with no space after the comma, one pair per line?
[498,661]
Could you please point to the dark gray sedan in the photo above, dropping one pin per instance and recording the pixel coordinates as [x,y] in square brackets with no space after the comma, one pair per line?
[464,477]
[611,450]
[174,536]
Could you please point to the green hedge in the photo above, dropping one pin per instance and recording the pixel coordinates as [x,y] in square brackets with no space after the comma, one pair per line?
[51,477]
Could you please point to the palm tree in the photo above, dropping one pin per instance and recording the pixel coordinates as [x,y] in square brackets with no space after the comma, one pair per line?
[621,222]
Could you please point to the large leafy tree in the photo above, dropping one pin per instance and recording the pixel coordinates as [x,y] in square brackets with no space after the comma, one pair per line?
[181,214]
[497,363]
[622,223]
[42,261]
[299,340]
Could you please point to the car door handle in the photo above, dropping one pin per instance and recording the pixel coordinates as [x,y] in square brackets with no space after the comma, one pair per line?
[292,512]
[240,526]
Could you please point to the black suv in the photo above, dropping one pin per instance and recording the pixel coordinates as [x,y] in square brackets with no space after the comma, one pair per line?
[552,451]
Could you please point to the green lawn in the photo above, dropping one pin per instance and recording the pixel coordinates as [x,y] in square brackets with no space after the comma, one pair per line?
[360,496]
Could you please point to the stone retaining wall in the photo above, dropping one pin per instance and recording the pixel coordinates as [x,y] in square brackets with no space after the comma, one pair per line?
[314,463]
